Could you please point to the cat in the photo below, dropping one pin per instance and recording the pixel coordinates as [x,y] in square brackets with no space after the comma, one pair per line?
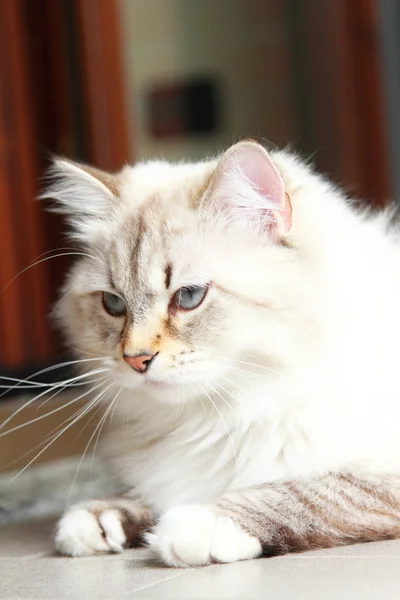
[247,317]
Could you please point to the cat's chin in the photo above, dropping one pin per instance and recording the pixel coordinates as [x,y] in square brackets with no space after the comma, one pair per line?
[153,387]
[168,389]
[160,385]
[171,392]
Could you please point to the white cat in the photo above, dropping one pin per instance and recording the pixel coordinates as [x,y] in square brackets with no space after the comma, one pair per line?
[248,317]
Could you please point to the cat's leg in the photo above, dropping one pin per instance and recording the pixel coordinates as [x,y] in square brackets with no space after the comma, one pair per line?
[101,526]
[277,518]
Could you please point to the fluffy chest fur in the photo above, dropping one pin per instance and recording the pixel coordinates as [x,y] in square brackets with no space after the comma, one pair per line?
[196,455]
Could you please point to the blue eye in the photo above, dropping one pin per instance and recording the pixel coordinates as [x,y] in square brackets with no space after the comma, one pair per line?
[188,298]
[113,304]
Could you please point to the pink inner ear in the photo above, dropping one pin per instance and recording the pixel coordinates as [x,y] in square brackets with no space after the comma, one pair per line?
[266,180]
[261,172]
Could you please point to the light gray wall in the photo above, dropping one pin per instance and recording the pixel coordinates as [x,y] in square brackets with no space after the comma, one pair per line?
[389,27]
[245,42]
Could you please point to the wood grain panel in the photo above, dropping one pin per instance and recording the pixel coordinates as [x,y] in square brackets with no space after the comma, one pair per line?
[343,91]
[11,331]
[100,42]
[25,218]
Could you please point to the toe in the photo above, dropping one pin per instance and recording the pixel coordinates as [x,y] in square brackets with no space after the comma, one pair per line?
[79,534]
[110,521]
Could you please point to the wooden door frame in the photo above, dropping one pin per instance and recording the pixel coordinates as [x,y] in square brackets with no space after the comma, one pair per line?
[25,232]
[101,46]
[24,322]
[341,91]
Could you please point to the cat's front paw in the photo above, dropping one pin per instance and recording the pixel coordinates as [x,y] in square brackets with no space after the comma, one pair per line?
[101,526]
[89,529]
[195,535]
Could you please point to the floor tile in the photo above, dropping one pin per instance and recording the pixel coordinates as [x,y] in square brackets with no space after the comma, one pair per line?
[306,578]
[29,570]
[26,539]
[94,578]
[373,549]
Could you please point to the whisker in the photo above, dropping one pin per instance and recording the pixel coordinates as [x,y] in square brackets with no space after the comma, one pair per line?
[37,384]
[49,436]
[69,418]
[40,444]
[243,362]
[227,392]
[83,383]
[224,422]
[181,403]
[198,397]
[55,307]
[87,408]
[233,383]
[52,395]
[183,399]
[116,398]
[243,372]
[79,351]
[203,405]
[54,368]
[38,262]
[69,385]
[54,250]
[17,380]
[35,398]
[240,371]
[95,412]
[102,418]
[52,412]
[102,423]
[226,401]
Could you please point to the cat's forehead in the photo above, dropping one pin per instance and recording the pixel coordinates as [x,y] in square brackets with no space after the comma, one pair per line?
[153,241]
[182,182]
[154,229]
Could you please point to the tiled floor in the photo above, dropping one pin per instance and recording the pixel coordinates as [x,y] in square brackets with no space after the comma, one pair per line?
[28,570]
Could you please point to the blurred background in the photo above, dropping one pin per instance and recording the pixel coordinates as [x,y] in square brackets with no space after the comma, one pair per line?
[115,81]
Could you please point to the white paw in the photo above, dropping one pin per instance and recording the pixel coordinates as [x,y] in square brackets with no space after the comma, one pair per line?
[89,529]
[193,535]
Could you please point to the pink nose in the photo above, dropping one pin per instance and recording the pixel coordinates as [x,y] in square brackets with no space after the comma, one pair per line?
[140,362]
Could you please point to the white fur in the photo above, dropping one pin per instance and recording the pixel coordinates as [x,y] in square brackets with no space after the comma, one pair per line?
[79,534]
[82,533]
[73,187]
[193,536]
[110,522]
[323,332]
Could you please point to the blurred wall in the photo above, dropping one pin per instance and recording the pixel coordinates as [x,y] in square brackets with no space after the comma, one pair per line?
[243,43]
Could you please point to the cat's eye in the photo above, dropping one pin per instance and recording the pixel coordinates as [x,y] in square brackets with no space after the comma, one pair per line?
[188,298]
[113,304]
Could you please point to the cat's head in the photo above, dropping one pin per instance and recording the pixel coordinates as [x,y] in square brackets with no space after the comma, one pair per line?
[186,273]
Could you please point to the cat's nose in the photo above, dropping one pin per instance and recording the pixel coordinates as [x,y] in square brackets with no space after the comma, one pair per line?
[139,362]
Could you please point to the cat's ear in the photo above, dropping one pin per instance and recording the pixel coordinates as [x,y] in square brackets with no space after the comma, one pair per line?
[247,190]
[87,196]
